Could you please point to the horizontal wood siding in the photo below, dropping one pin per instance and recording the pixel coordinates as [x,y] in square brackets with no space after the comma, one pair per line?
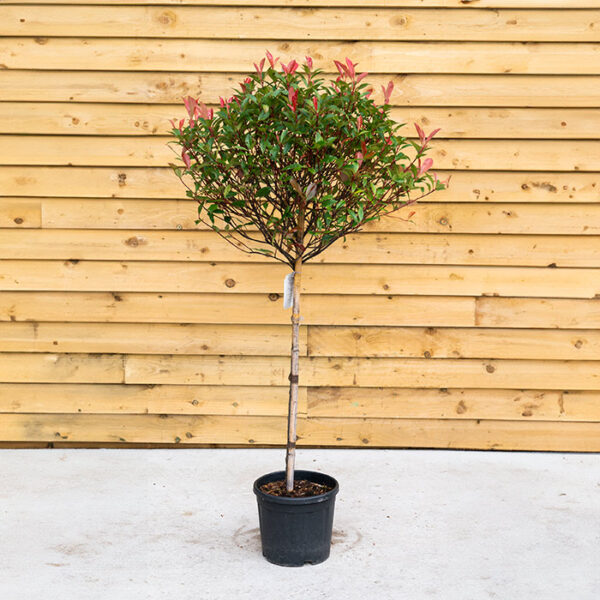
[473,324]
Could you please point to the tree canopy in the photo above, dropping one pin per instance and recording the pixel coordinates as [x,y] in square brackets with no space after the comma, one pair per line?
[291,162]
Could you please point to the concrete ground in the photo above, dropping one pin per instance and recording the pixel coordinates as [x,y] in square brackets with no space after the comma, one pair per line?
[150,524]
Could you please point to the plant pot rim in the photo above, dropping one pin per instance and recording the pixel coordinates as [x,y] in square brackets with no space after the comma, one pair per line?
[299,474]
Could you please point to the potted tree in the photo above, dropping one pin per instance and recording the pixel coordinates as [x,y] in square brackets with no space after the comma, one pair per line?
[286,166]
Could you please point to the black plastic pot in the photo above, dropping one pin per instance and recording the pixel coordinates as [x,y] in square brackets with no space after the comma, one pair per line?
[296,531]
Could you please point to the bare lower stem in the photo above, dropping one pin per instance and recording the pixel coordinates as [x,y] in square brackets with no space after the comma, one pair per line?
[290,457]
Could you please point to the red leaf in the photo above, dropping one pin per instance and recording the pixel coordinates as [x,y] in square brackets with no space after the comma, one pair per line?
[350,68]
[433,133]
[259,67]
[387,92]
[341,68]
[190,105]
[290,68]
[423,168]
[293,98]
[421,133]
[204,112]
[271,60]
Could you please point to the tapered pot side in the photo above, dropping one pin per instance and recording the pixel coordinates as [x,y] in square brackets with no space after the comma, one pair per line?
[296,531]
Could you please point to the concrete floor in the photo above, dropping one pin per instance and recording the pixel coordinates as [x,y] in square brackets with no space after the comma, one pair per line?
[150,524]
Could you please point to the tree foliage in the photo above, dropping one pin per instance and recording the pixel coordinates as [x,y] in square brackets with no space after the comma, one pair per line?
[292,162]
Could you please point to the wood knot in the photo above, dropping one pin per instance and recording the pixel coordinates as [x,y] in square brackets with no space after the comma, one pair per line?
[230,283]
[167,18]
[490,368]
[461,408]
[273,297]
[399,21]
[18,220]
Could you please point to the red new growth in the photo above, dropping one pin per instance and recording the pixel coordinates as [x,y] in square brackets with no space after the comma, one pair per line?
[293,98]
[259,67]
[271,60]
[191,105]
[425,139]
[290,68]
[350,68]
[424,167]
[387,92]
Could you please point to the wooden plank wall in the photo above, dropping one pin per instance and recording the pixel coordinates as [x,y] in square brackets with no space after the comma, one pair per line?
[474,325]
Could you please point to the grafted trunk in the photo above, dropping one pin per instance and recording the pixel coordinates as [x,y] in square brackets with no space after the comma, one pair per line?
[290,457]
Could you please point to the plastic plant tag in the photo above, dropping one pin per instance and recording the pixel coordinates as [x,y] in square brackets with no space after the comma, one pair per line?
[288,290]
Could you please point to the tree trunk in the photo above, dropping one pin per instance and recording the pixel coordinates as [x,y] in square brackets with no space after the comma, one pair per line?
[290,457]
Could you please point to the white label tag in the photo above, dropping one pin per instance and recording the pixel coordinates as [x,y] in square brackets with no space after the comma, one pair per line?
[288,290]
